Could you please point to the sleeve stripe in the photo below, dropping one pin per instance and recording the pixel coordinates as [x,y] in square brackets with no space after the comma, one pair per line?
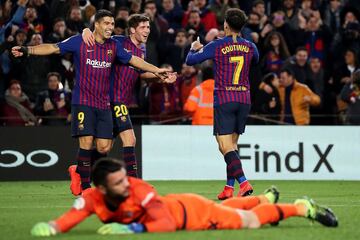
[147,199]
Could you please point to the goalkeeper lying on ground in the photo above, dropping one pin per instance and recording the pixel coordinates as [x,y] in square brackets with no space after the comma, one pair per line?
[130,205]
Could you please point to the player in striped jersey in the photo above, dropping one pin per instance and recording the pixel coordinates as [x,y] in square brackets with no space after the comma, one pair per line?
[232,57]
[91,114]
[122,84]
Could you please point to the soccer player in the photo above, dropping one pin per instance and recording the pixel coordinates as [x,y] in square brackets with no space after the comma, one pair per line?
[123,79]
[130,205]
[91,114]
[232,57]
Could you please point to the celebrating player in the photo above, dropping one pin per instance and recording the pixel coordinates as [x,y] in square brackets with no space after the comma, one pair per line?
[91,114]
[232,57]
[130,205]
[123,79]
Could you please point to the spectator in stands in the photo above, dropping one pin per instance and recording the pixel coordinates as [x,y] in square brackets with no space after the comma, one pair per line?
[351,94]
[17,108]
[219,7]
[120,27]
[332,15]
[173,13]
[342,75]
[299,64]
[135,6]
[31,23]
[157,37]
[208,18]
[58,32]
[186,82]
[316,37]
[259,8]
[34,70]
[16,18]
[316,82]
[251,31]
[296,99]
[43,13]
[292,14]
[164,100]
[74,22]
[53,104]
[194,25]
[267,100]
[275,52]
[200,103]
[122,13]
[278,24]
[176,52]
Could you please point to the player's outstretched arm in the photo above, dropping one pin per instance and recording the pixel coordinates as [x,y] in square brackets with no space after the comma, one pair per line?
[169,78]
[43,229]
[145,66]
[42,49]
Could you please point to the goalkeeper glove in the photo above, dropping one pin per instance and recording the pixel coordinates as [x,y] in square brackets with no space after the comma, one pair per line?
[43,229]
[117,228]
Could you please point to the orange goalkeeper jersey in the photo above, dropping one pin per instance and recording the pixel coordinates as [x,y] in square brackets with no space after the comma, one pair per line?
[158,214]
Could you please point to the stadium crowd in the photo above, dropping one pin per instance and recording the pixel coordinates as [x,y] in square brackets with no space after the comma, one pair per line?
[314,44]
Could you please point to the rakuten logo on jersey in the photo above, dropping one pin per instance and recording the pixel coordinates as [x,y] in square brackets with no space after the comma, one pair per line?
[98,64]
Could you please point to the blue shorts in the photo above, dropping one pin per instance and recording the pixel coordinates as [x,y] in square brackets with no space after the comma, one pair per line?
[230,118]
[121,118]
[90,121]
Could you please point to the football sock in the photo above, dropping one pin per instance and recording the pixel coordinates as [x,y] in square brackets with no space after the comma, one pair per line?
[130,161]
[245,203]
[234,166]
[95,155]
[84,167]
[272,213]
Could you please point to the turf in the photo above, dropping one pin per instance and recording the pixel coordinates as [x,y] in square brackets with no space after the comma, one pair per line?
[24,203]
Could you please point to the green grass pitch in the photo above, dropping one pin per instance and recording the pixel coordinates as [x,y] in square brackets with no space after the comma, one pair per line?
[22,204]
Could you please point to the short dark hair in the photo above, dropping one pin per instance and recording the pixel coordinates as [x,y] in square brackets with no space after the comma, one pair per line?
[289,71]
[301,48]
[149,2]
[257,2]
[120,23]
[236,19]
[56,74]
[101,14]
[135,19]
[58,19]
[105,166]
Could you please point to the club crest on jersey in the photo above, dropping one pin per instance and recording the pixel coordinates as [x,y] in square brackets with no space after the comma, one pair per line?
[81,127]
[109,53]
[79,203]
[123,118]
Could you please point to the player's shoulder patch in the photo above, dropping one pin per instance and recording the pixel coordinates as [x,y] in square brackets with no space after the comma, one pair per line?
[79,203]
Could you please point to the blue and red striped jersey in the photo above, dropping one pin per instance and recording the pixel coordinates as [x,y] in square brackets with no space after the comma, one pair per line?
[232,59]
[124,77]
[93,69]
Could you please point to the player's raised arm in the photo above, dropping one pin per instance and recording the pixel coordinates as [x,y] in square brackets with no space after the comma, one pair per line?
[198,53]
[42,49]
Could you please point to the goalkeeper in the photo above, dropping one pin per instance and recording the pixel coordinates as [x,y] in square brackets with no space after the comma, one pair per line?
[129,205]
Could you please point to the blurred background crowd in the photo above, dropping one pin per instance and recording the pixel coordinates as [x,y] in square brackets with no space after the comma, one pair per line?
[317,42]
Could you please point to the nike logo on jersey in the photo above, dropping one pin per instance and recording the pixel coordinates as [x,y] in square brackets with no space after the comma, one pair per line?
[90,50]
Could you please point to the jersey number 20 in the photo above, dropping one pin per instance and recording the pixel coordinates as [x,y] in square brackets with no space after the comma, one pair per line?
[239,60]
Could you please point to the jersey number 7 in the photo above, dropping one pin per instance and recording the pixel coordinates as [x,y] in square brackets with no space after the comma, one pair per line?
[239,60]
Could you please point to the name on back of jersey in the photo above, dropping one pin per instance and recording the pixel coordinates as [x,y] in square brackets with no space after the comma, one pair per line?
[235,47]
